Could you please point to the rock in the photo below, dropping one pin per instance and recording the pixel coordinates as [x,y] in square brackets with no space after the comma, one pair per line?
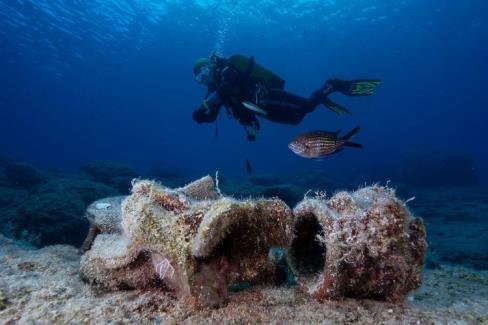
[23,175]
[264,180]
[438,167]
[195,247]
[10,196]
[87,190]
[104,216]
[55,217]
[198,243]
[457,223]
[53,212]
[167,176]
[286,193]
[363,244]
[201,189]
[122,183]
[112,174]
[318,180]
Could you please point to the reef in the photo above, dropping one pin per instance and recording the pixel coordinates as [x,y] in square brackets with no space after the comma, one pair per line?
[191,240]
[23,175]
[265,186]
[53,211]
[111,174]
[457,220]
[438,167]
[423,168]
[200,244]
[104,217]
[43,208]
[363,244]
[169,177]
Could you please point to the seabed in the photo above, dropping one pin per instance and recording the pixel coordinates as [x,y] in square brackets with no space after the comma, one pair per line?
[43,286]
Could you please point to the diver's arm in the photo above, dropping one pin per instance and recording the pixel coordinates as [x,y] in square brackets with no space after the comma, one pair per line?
[229,82]
[209,110]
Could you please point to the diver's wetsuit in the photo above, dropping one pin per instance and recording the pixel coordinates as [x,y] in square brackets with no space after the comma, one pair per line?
[287,108]
[245,95]
[231,88]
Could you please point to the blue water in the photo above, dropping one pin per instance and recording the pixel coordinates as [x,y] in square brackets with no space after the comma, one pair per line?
[89,80]
[111,80]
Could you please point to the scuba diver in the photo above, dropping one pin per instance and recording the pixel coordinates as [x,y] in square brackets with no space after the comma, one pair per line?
[247,90]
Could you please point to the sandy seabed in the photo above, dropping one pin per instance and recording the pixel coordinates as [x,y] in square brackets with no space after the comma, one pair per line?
[43,286]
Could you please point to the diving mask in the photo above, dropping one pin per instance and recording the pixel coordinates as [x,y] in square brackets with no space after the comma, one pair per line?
[203,76]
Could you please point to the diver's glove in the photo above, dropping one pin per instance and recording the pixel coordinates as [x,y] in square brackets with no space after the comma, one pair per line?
[200,114]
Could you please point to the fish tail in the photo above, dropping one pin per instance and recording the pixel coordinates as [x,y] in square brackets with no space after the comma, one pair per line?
[352,144]
[350,134]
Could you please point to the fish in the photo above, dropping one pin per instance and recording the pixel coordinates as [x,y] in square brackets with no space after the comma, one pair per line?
[248,166]
[319,144]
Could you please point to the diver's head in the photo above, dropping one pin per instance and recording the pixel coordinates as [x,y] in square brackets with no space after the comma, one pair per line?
[202,71]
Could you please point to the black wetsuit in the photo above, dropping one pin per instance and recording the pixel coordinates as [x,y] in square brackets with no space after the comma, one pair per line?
[231,87]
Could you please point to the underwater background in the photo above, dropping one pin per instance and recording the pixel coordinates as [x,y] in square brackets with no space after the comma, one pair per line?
[107,86]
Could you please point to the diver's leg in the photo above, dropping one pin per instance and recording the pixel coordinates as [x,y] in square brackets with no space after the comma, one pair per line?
[348,88]
[320,97]
[284,107]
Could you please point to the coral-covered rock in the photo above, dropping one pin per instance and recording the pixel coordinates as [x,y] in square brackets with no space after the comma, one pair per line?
[171,177]
[287,193]
[104,216]
[54,211]
[191,239]
[112,174]
[363,244]
[438,167]
[3,179]
[201,189]
[9,197]
[86,190]
[23,175]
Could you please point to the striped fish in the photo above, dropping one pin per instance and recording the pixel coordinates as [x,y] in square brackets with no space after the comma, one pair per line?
[318,144]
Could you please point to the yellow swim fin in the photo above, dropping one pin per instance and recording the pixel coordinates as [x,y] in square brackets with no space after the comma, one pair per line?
[362,87]
[338,109]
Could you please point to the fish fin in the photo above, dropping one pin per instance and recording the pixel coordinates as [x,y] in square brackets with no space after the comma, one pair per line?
[323,158]
[352,144]
[337,151]
[351,133]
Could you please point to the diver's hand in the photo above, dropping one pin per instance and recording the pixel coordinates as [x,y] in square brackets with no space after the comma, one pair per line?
[199,114]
